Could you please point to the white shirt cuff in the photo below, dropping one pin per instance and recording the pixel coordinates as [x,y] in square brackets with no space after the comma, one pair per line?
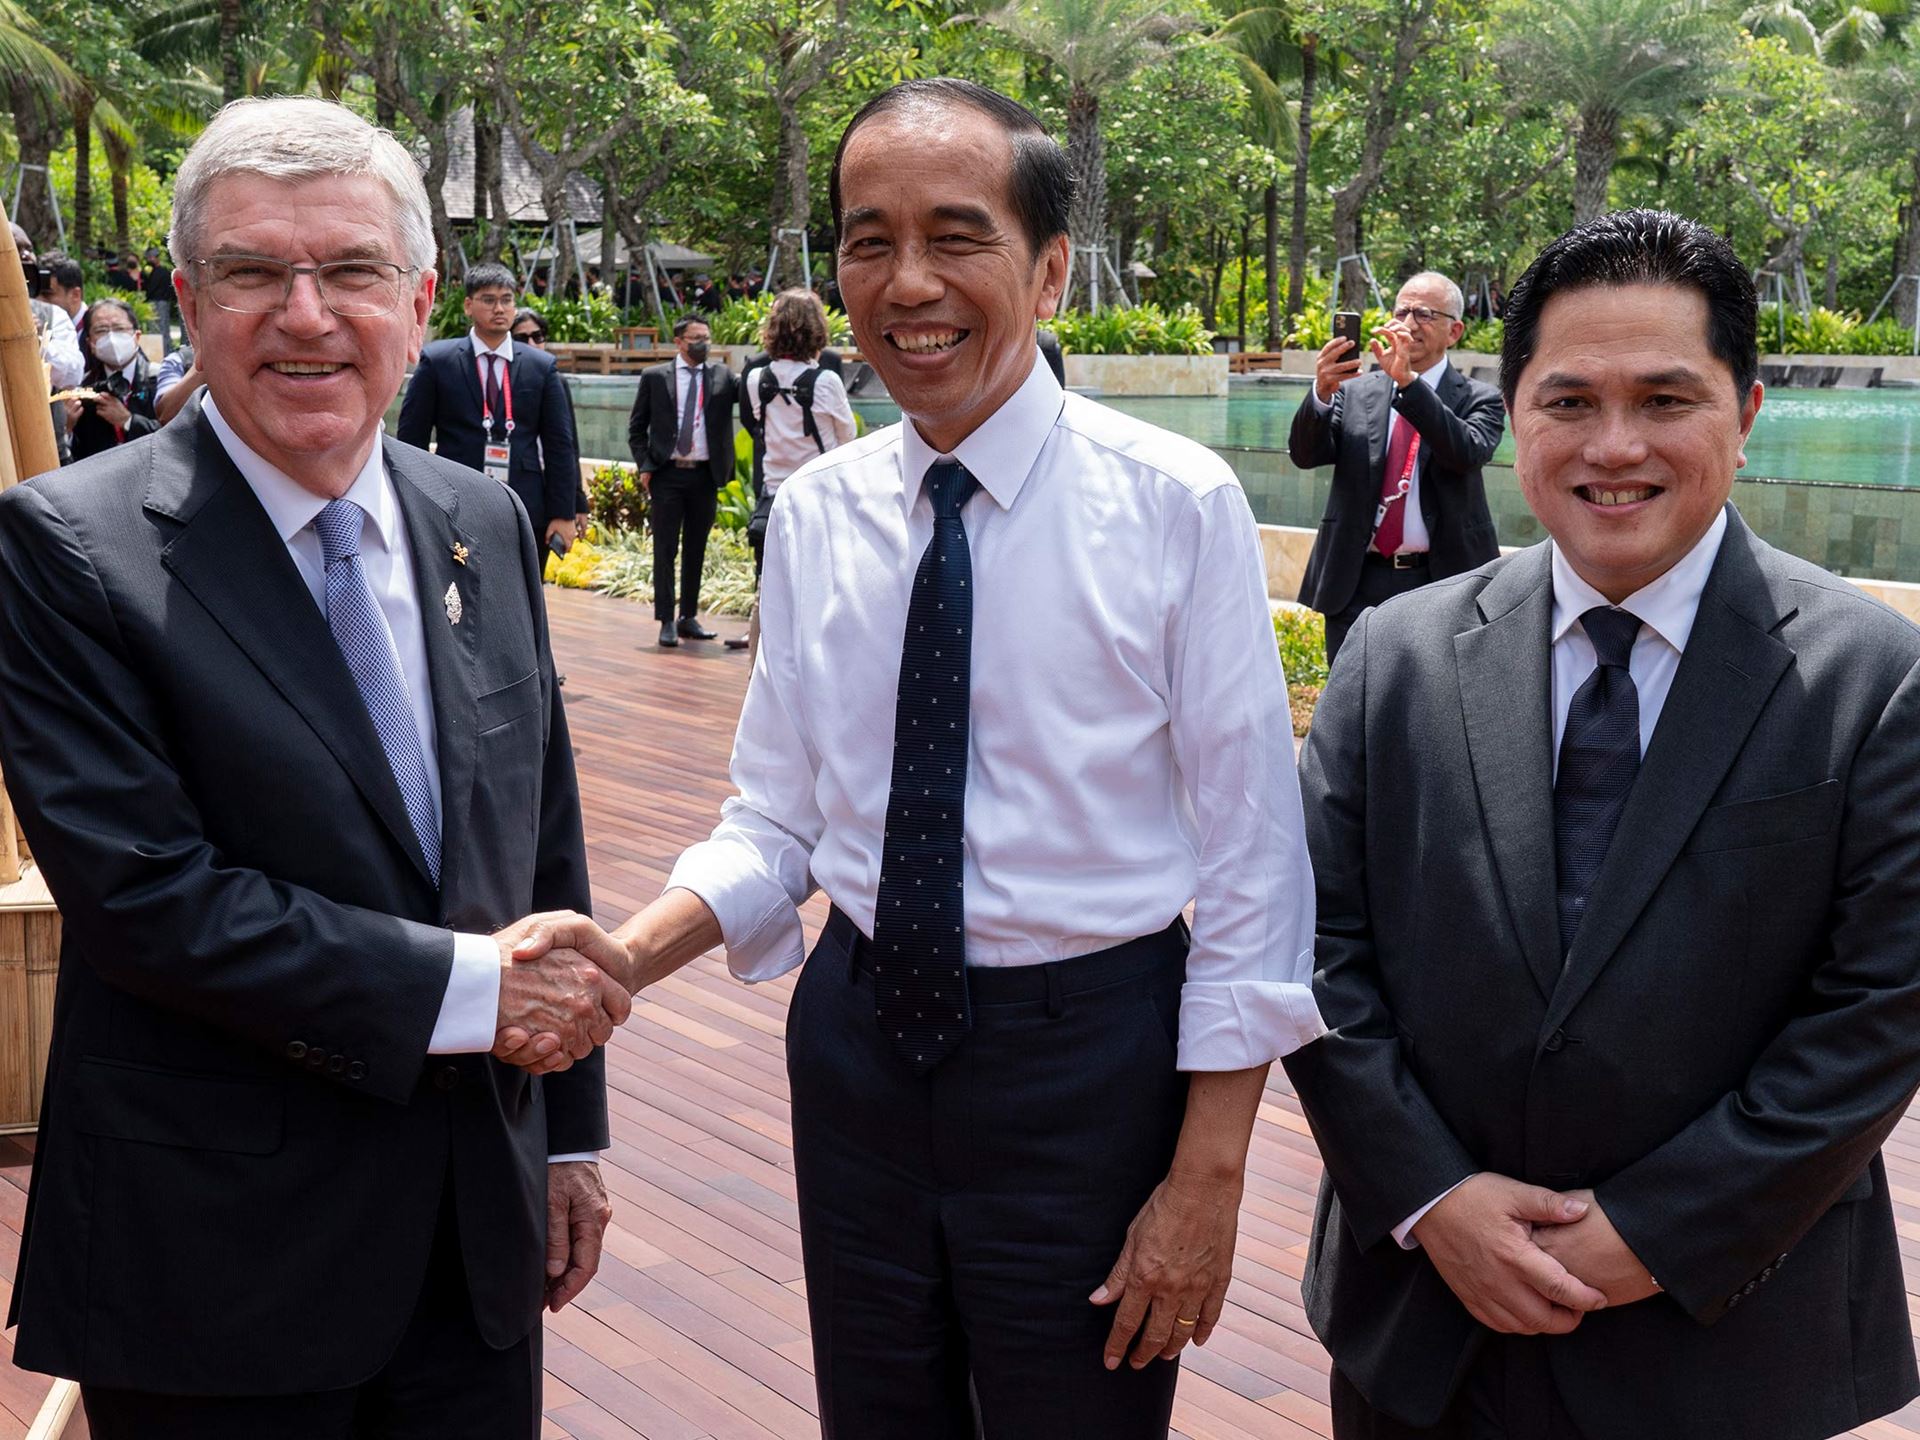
[470,1012]
[1403,1232]
[758,922]
[1239,1024]
[592,1157]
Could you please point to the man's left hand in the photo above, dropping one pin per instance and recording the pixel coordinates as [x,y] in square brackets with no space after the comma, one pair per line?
[563,527]
[1393,349]
[1174,1267]
[1591,1249]
[577,1214]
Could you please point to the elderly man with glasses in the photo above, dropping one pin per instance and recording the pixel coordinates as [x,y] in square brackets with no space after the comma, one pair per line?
[1406,443]
[278,714]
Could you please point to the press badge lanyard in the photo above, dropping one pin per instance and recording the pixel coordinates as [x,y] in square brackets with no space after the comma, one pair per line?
[1406,483]
[498,457]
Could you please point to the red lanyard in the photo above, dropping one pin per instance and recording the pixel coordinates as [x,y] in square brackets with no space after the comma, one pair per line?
[506,391]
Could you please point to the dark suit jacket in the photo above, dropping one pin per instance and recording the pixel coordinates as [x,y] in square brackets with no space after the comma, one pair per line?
[1459,421]
[544,461]
[91,434]
[655,422]
[1729,1043]
[244,1144]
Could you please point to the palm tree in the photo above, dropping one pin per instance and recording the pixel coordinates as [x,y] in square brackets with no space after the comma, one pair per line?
[234,36]
[1842,35]
[1888,96]
[1097,45]
[1611,60]
[38,82]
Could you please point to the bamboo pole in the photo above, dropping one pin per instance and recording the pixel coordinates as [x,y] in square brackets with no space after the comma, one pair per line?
[23,376]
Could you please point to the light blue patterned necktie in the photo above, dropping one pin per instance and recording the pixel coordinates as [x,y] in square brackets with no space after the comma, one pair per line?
[365,644]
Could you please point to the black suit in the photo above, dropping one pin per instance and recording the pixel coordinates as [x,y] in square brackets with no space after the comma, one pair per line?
[1459,423]
[1726,1047]
[91,434]
[444,403]
[683,495]
[245,1149]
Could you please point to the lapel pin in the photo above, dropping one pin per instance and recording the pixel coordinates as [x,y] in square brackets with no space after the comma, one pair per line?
[453,604]
[459,553]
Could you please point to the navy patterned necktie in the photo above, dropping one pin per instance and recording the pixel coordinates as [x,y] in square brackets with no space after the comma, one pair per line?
[1599,758]
[360,630]
[919,927]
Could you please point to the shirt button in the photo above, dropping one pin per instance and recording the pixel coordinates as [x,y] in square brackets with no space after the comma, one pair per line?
[447,1077]
[297,1050]
[356,1071]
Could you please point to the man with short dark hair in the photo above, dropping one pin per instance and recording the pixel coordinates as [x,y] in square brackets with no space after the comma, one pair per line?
[1618,851]
[499,409]
[66,288]
[1022,1094]
[681,435]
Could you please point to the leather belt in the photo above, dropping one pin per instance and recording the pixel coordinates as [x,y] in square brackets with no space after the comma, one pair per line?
[1414,560]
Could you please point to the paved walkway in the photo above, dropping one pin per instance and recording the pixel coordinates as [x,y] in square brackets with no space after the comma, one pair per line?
[696,1328]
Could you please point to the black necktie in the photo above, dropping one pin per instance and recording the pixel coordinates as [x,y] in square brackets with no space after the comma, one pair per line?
[1599,757]
[496,402]
[683,442]
[919,927]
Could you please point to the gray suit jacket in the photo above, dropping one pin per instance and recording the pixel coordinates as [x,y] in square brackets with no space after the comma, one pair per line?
[244,1147]
[1733,1034]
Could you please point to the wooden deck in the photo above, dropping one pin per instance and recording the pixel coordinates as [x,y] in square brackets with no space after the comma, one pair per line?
[696,1328]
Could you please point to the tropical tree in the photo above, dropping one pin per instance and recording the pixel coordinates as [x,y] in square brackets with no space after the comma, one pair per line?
[38,83]
[1272,61]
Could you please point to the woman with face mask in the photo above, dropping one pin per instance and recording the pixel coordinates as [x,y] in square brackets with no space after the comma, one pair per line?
[120,375]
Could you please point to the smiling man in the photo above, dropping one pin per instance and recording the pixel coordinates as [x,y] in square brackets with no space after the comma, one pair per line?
[1624,972]
[1016,703]
[278,714]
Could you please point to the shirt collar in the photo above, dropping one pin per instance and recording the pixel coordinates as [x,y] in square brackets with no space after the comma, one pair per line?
[1432,375]
[289,504]
[1001,452]
[504,349]
[1669,604]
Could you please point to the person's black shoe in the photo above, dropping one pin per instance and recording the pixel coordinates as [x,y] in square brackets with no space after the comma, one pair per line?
[667,637]
[693,630]
[738,642]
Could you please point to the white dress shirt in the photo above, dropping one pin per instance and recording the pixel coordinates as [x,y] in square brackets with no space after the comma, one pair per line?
[1666,608]
[683,376]
[1414,539]
[788,445]
[1129,746]
[60,348]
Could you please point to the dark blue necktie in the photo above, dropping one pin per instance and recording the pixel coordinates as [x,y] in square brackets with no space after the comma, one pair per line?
[919,927]
[1599,757]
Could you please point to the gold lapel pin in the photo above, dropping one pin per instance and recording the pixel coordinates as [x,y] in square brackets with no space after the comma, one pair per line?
[453,604]
[459,553]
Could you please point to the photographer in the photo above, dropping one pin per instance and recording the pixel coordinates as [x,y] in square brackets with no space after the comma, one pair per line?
[123,379]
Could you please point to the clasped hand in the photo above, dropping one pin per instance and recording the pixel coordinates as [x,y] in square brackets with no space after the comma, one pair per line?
[563,990]
[1529,1261]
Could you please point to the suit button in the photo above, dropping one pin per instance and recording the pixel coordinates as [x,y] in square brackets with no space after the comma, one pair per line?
[296,1049]
[1750,1287]
[1733,1300]
[356,1071]
[446,1077]
[337,1065]
[316,1057]
[1556,1042]
[1766,1275]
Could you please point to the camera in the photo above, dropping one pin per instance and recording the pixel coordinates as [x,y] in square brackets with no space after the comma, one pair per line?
[39,281]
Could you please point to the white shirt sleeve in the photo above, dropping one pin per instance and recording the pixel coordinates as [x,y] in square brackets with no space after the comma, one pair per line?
[832,411]
[755,870]
[62,351]
[470,1011]
[1403,1232]
[1248,998]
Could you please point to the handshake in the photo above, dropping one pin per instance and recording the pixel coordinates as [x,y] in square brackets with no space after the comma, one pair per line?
[565,985]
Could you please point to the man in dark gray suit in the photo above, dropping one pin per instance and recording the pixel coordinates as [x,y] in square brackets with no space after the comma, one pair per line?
[1617,844]
[278,712]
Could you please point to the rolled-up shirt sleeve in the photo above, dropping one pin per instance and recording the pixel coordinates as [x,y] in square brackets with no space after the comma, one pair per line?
[1248,997]
[755,870]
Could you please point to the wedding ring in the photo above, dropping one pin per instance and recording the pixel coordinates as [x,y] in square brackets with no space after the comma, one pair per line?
[1188,1323]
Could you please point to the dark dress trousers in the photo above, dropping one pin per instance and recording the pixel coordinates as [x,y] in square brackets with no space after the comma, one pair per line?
[683,496]
[1725,1049]
[1459,422]
[444,404]
[245,1151]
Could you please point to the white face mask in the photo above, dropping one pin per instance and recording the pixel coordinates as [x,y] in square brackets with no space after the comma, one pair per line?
[116,348]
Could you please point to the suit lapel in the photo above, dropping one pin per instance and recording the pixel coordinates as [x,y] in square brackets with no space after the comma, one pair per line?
[230,558]
[1506,695]
[469,361]
[1732,664]
[432,507]
[1379,418]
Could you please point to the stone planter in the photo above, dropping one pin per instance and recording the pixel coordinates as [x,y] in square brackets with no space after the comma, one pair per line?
[1148,374]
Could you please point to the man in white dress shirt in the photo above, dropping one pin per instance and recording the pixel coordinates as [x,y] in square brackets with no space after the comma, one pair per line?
[1618,850]
[1022,1095]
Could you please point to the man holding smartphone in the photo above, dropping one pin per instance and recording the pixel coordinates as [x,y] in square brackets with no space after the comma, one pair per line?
[1407,443]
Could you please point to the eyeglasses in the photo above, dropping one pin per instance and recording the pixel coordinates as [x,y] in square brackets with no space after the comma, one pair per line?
[531,337]
[1421,315]
[259,284]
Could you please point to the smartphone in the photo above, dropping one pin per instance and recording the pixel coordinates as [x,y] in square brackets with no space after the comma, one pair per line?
[556,545]
[1346,326]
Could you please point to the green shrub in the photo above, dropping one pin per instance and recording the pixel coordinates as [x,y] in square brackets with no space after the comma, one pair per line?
[1136,330]
[1831,332]
[1314,328]
[620,563]
[1486,336]
[740,322]
[590,319]
[615,499]
[1302,635]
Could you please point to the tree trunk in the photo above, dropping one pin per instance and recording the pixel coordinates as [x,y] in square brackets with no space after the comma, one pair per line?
[1273,266]
[1303,151]
[1129,240]
[439,157]
[1210,313]
[486,136]
[232,85]
[80,242]
[37,129]
[1087,157]
[493,177]
[1381,124]
[1593,163]
[1246,247]
[792,200]
[1350,284]
[120,177]
[1907,260]
[1830,296]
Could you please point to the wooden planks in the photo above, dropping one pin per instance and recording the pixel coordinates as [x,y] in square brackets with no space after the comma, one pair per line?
[696,1327]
